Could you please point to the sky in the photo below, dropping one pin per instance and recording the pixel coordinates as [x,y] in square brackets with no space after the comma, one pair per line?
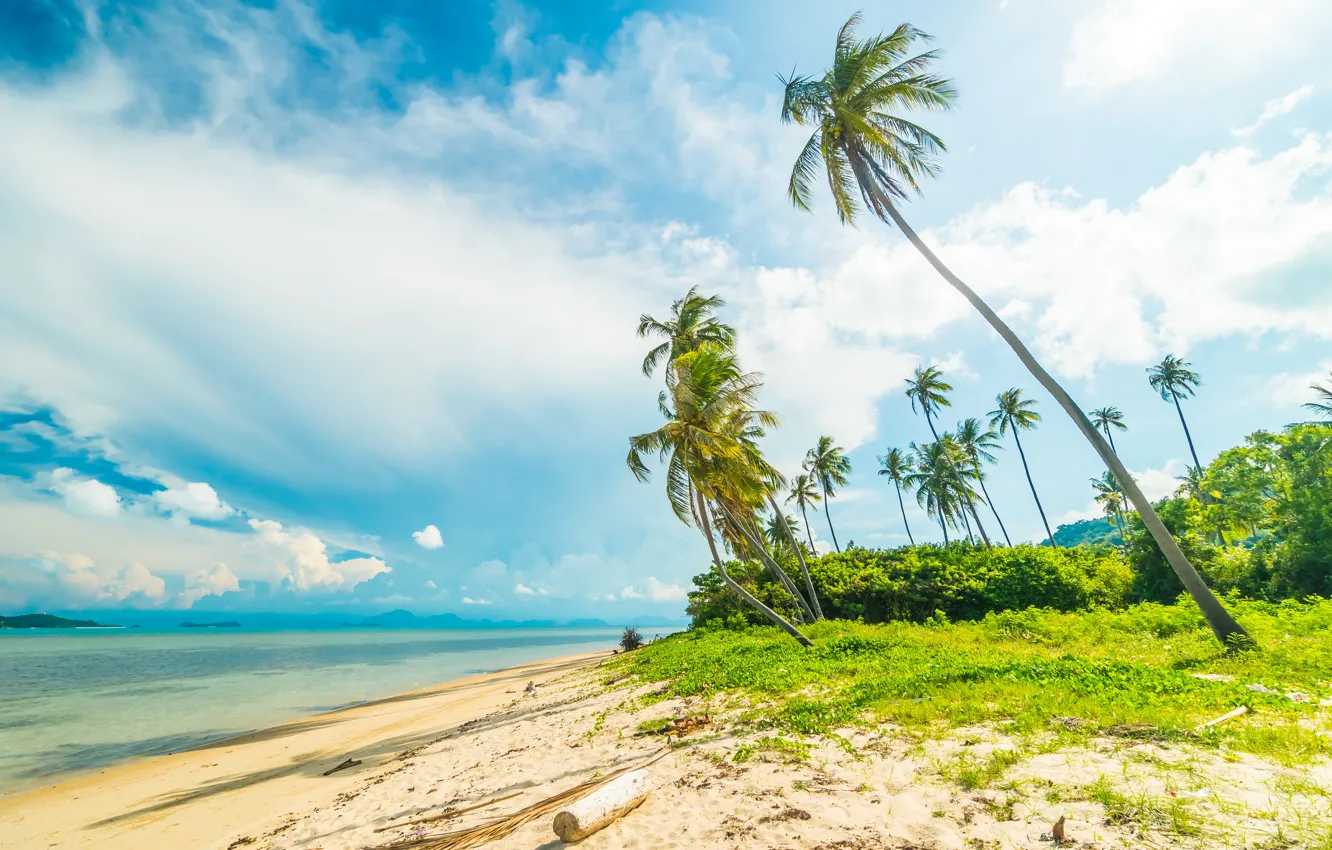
[331,306]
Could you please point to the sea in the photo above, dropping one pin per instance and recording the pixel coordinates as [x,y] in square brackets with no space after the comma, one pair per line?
[73,700]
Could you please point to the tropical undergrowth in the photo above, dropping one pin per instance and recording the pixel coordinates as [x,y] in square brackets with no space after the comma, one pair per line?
[1034,674]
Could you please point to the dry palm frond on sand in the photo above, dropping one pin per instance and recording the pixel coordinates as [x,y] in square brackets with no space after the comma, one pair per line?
[500,827]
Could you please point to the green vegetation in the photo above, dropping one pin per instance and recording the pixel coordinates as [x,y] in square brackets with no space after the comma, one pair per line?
[1088,532]
[1036,675]
[45,621]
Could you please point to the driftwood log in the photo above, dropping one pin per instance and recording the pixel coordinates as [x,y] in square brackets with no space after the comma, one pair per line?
[603,806]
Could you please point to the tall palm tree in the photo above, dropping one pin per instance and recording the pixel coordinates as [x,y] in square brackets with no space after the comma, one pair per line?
[868,149]
[709,465]
[691,324]
[1105,419]
[1017,414]
[1323,407]
[928,388]
[897,466]
[775,534]
[1109,497]
[805,494]
[830,467]
[977,444]
[935,481]
[1172,378]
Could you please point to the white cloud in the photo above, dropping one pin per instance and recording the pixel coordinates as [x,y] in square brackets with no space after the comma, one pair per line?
[214,581]
[1159,483]
[662,592]
[85,495]
[630,593]
[467,600]
[193,499]
[1124,41]
[301,559]
[1274,109]
[87,582]
[1292,390]
[523,590]
[428,538]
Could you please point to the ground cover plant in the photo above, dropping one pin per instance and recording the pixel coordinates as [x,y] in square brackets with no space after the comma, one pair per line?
[1040,676]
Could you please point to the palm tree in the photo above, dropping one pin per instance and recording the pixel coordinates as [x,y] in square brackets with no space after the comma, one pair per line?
[977,445]
[935,481]
[691,324]
[1109,497]
[1106,418]
[897,466]
[1323,407]
[868,149]
[805,493]
[775,534]
[1172,378]
[1017,414]
[706,444]
[927,388]
[830,467]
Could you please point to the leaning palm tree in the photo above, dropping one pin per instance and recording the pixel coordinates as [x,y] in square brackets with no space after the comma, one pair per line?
[869,149]
[1172,378]
[928,388]
[691,324]
[805,494]
[775,533]
[977,444]
[1017,414]
[897,466]
[709,466]
[1323,407]
[830,467]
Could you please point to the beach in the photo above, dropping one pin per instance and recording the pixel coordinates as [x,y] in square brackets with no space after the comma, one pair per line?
[720,781]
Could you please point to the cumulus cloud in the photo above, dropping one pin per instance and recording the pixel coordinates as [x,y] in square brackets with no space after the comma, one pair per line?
[87,582]
[630,593]
[193,499]
[85,495]
[523,590]
[428,538]
[301,559]
[467,600]
[214,581]
[662,592]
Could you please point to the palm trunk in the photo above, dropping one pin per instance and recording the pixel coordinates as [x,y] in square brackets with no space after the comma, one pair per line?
[772,615]
[1187,435]
[902,505]
[804,570]
[944,527]
[990,502]
[1222,623]
[1032,485]
[828,515]
[808,533]
[1122,494]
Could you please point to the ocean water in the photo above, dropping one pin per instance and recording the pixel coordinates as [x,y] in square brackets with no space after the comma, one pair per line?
[75,700]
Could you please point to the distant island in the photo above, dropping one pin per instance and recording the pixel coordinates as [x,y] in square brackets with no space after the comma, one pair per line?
[229,624]
[47,621]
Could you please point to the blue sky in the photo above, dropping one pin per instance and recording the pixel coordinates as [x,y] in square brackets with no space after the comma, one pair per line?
[287,285]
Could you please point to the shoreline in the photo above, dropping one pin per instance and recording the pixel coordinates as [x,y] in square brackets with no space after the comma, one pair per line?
[243,783]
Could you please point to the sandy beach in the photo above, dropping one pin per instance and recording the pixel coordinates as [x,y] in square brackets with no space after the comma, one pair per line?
[719,784]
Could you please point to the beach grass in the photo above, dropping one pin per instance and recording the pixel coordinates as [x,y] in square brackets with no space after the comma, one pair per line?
[1045,679]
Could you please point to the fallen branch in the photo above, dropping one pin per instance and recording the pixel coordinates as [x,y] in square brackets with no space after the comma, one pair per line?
[1229,715]
[602,807]
[500,827]
[449,813]
[346,764]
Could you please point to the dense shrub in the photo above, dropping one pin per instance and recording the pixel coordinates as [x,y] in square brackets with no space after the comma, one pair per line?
[928,582]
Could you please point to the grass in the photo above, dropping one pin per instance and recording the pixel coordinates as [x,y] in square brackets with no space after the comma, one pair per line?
[791,752]
[1034,673]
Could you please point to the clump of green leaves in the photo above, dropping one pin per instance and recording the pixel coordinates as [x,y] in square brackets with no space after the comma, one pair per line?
[786,750]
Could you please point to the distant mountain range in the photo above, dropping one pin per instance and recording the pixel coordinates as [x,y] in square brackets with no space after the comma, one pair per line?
[399,619]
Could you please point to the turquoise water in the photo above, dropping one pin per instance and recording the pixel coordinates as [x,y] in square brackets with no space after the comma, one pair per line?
[74,700]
